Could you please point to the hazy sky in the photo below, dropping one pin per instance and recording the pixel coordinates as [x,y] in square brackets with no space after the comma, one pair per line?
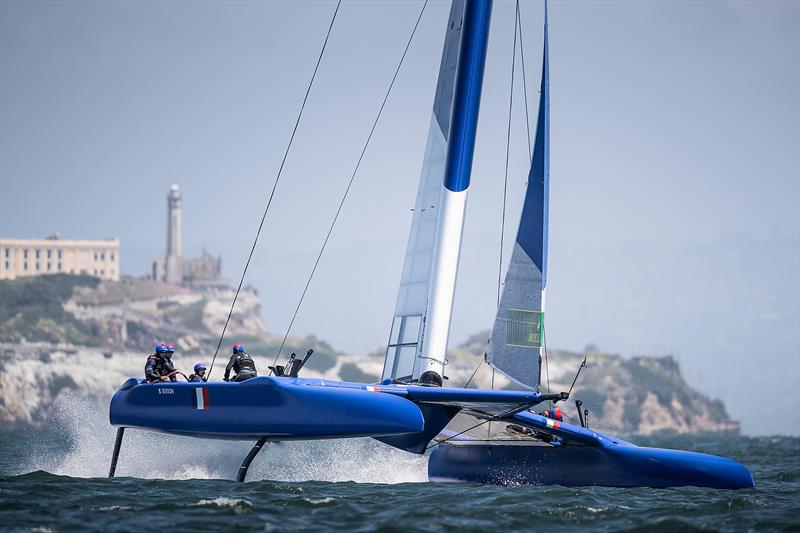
[675,172]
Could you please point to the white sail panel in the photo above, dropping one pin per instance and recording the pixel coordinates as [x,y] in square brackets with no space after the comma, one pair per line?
[417,265]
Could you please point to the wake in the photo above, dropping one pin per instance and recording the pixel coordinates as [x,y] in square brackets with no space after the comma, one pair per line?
[88,438]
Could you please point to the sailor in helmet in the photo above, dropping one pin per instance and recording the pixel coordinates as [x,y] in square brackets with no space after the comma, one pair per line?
[554,413]
[159,365]
[242,365]
[199,373]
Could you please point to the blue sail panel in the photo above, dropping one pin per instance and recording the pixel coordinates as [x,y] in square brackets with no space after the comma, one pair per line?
[518,333]
[532,233]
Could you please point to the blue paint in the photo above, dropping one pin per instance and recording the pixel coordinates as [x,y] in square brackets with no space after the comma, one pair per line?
[467,94]
[464,396]
[276,408]
[291,408]
[407,417]
[533,230]
[436,418]
[583,458]
[577,466]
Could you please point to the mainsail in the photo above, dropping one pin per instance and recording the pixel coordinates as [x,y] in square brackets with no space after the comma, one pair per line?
[405,340]
[515,346]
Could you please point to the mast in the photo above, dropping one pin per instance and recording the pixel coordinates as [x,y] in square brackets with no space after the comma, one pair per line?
[453,194]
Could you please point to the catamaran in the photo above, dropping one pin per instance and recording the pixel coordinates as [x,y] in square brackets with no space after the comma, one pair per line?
[409,408]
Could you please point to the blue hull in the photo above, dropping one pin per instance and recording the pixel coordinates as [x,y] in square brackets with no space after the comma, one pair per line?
[614,465]
[263,407]
[408,417]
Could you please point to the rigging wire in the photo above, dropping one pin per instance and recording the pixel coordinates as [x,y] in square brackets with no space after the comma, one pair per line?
[508,151]
[274,187]
[546,366]
[505,179]
[474,372]
[349,185]
[511,411]
[524,83]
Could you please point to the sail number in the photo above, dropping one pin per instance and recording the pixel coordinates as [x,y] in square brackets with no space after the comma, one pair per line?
[524,328]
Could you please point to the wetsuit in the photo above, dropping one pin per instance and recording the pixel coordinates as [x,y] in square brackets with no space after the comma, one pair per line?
[195,378]
[158,366]
[243,365]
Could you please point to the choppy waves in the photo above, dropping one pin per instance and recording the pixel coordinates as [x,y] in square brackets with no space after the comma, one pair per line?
[84,440]
[55,480]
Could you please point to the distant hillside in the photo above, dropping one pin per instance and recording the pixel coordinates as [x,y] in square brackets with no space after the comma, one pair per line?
[635,395]
[82,311]
[54,328]
[51,325]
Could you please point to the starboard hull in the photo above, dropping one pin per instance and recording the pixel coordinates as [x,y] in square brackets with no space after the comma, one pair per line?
[615,465]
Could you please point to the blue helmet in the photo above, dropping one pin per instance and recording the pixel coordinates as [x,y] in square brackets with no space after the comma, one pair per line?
[160,348]
[198,367]
[238,348]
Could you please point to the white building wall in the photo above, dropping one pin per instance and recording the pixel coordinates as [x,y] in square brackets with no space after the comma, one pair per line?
[36,257]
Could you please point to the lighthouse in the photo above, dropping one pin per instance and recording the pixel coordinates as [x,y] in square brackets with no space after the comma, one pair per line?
[172,267]
[173,270]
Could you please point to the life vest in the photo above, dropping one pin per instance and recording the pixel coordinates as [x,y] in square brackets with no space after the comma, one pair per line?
[156,367]
[244,363]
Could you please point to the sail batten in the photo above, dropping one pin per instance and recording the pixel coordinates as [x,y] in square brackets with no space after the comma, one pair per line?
[516,343]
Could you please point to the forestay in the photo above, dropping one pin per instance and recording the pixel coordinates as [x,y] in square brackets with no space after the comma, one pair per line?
[406,336]
[515,346]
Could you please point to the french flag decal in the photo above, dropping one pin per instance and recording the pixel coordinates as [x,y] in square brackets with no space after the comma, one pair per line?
[553,423]
[201,394]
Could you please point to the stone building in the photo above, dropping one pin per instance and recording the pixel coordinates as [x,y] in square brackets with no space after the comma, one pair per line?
[34,257]
[173,267]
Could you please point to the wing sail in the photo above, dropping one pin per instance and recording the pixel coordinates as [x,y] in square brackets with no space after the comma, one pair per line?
[406,338]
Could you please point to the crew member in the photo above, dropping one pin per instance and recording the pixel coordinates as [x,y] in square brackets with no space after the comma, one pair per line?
[242,365]
[158,366]
[199,373]
[554,413]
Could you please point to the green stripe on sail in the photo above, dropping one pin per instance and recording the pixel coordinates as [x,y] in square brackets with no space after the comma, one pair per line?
[524,328]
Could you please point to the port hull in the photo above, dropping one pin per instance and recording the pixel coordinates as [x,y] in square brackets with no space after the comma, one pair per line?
[263,407]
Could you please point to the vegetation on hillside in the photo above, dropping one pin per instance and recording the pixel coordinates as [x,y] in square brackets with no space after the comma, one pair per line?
[33,309]
[352,372]
[324,357]
[112,292]
[631,390]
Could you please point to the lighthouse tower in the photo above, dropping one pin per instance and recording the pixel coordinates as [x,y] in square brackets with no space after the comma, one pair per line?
[173,272]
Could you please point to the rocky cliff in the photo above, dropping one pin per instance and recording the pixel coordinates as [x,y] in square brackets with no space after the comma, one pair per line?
[62,335]
[641,395]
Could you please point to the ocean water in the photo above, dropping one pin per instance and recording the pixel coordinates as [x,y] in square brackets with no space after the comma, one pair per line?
[53,479]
